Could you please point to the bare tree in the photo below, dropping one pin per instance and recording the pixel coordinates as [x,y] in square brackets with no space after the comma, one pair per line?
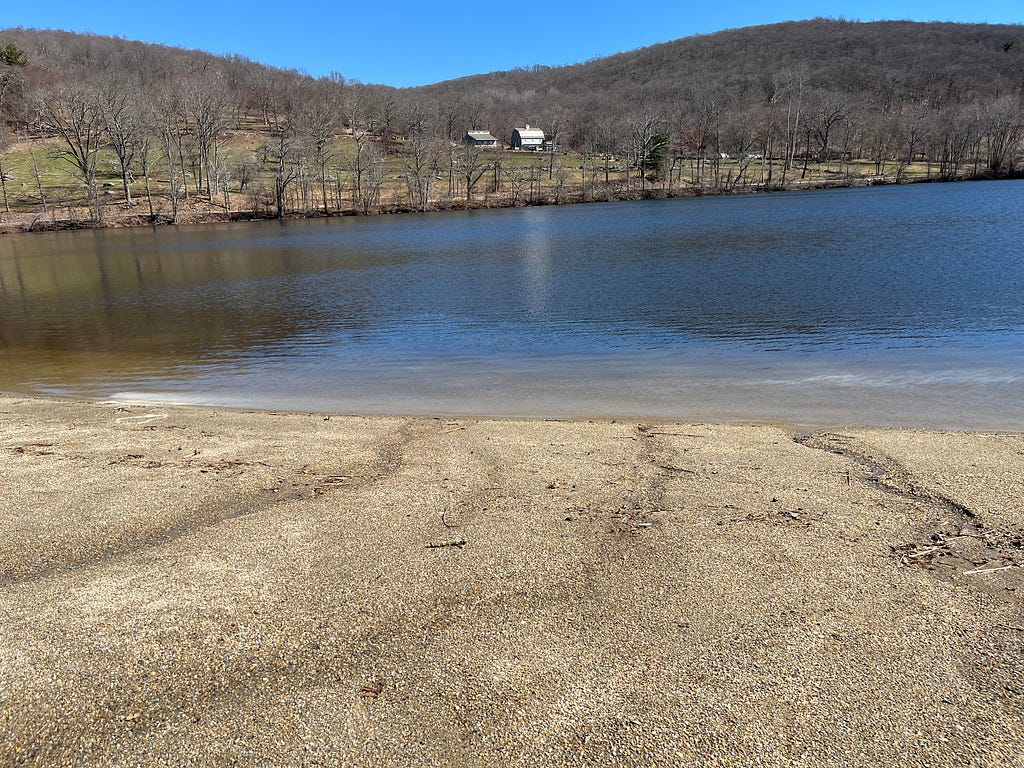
[172,125]
[146,142]
[792,86]
[318,119]
[703,134]
[1003,131]
[207,101]
[830,110]
[517,176]
[644,132]
[388,115]
[5,147]
[911,133]
[283,148]
[958,129]
[769,128]
[421,158]
[38,177]
[70,112]
[738,142]
[169,126]
[264,95]
[471,164]
[555,123]
[451,115]
[120,109]
[368,174]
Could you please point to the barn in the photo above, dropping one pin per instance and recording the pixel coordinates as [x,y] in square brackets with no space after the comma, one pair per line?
[528,138]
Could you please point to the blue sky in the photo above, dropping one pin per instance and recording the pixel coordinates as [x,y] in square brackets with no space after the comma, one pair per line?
[411,43]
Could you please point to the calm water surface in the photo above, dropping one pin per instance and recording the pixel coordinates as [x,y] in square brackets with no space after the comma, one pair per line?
[899,305]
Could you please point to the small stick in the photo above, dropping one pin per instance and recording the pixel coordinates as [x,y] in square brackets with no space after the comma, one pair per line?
[670,468]
[926,551]
[460,544]
[992,570]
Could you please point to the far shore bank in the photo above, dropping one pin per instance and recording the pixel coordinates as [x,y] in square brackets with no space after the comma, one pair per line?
[191,585]
[54,221]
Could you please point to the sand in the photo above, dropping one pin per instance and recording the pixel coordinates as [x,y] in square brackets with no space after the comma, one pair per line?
[189,586]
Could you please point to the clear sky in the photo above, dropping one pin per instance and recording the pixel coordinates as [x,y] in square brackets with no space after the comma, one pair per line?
[412,43]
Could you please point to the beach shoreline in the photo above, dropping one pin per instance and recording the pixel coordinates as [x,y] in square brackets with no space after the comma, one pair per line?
[196,585]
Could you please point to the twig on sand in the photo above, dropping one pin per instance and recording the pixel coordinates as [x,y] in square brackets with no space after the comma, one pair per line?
[460,543]
[919,553]
[992,570]
[670,468]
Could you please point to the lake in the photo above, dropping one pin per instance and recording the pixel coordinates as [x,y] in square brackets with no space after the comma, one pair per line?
[886,306]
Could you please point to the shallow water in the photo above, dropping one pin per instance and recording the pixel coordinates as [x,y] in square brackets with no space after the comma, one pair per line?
[898,305]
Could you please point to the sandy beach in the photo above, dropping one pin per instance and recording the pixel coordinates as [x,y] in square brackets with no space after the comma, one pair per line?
[194,586]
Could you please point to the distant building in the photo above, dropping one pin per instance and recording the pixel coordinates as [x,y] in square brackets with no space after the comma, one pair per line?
[479,139]
[528,138]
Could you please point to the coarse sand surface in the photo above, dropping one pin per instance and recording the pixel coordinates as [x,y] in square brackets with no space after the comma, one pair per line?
[198,586]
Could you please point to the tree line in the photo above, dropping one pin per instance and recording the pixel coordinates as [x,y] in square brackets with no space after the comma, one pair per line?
[757,108]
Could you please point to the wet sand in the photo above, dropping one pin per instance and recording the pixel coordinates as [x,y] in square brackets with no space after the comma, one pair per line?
[189,586]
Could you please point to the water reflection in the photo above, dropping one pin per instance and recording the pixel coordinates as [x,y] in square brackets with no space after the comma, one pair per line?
[538,237]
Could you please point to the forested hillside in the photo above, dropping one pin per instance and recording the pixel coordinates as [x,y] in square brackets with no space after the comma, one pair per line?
[884,66]
[95,128]
[884,90]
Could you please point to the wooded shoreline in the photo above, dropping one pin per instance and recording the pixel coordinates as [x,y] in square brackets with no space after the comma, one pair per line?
[26,223]
[95,128]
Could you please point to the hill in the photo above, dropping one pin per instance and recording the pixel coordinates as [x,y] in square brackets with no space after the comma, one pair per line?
[934,61]
[877,68]
[770,107]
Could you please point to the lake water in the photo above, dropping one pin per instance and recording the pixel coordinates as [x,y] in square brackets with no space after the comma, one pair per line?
[896,305]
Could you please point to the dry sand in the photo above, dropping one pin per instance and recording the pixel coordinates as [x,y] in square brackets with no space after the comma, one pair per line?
[187,586]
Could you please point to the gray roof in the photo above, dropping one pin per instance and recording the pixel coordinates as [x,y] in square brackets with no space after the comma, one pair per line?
[529,133]
[481,135]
